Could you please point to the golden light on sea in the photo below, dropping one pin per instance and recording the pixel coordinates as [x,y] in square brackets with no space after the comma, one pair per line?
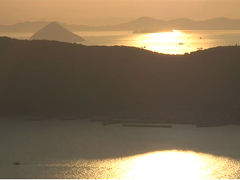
[174,42]
[167,165]
[182,165]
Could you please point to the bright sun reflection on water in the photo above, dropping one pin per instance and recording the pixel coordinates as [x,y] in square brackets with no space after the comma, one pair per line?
[175,42]
[182,165]
[172,164]
[168,165]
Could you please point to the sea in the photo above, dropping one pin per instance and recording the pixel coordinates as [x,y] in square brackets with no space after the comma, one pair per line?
[172,42]
[83,149]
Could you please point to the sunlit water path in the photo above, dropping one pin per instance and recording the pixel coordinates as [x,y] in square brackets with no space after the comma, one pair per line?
[83,149]
[172,164]
[181,42]
[172,42]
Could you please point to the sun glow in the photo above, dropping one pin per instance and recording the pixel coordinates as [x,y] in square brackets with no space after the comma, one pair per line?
[173,36]
[181,165]
[171,164]
[174,42]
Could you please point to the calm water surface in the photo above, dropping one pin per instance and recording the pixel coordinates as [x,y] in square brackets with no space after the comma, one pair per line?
[173,42]
[83,149]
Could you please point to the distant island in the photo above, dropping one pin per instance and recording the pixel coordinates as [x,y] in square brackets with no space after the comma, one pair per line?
[56,32]
[41,77]
[139,25]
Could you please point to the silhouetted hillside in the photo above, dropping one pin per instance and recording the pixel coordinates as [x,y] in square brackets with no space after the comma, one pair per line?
[56,32]
[48,77]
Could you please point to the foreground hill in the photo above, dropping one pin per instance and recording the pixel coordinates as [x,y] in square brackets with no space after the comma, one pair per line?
[48,77]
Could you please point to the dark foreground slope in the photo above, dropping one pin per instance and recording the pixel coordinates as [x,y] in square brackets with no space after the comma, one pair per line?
[47,77]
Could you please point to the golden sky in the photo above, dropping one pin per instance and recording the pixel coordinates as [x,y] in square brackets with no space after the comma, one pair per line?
[86,11]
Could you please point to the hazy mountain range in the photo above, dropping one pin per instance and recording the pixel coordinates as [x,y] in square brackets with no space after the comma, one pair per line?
[49,77]
[143,24]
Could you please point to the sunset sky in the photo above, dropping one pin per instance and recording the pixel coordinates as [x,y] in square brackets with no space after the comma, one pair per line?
[93,11]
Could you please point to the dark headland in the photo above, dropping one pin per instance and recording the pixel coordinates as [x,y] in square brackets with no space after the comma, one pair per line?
[55,78]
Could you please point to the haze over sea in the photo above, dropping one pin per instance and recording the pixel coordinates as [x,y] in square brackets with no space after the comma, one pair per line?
[171,42]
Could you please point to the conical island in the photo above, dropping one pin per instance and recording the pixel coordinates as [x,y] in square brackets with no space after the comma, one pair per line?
[56,32]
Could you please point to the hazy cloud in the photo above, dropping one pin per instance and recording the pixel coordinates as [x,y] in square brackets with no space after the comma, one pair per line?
[84,11]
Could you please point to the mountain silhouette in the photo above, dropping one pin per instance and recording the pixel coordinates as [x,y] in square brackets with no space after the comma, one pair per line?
[139,25]
[24,27]
[56,32]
